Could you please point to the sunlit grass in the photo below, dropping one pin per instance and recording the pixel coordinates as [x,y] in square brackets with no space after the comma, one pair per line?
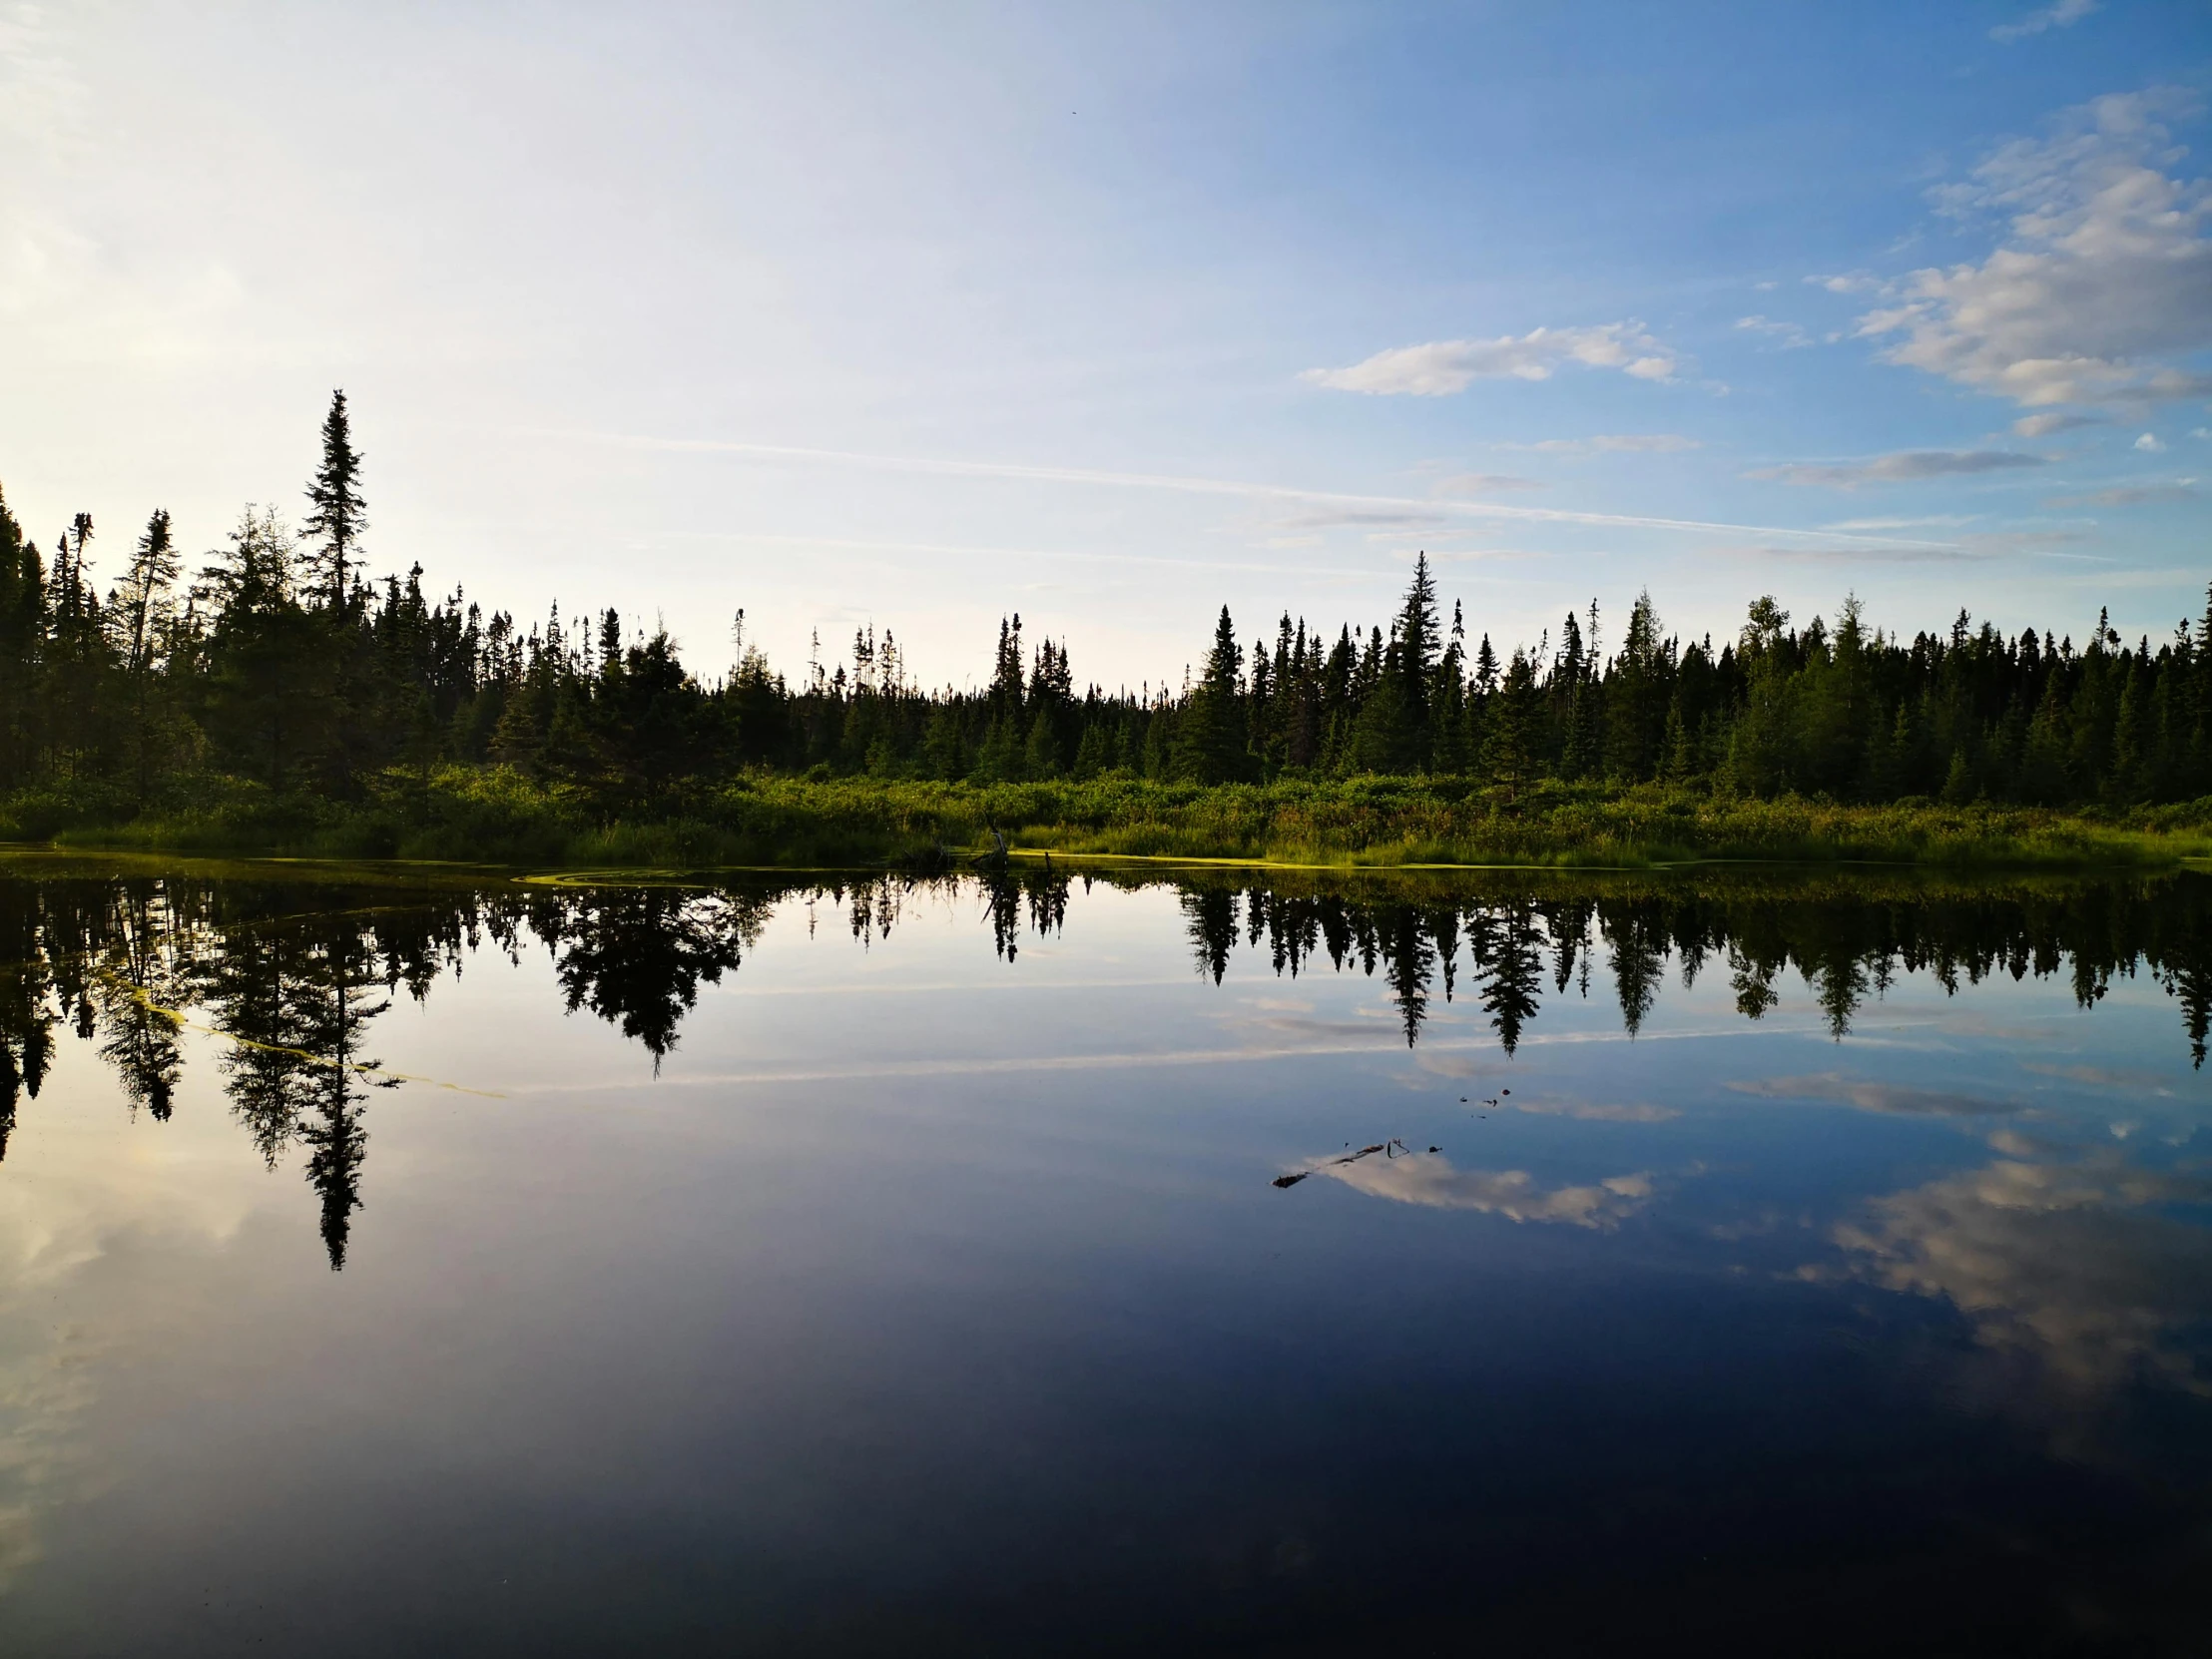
[496,816]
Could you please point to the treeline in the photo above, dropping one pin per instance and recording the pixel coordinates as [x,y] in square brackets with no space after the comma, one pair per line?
[277,662]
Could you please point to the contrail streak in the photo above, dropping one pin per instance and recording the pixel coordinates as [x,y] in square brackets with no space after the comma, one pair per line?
[1231,487]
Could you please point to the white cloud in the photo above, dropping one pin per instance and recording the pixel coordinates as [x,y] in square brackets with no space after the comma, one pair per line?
[2107,267]
[1788,334]
[2064,14]
[1852,281]
[1442,367]
[1904,466]
[2200,432]
[2043,426]
[2148,443]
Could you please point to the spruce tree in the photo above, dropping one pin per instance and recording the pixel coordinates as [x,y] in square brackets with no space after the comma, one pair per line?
[1512,729]
[339,515]
[1419,649]
[154,567]
[22,641]
[1210,746]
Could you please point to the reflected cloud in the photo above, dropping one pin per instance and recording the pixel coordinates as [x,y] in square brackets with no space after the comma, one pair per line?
[85,1206]
[1458,1068]
[1868,1096]
[1364,1023]
[2069,1263]
[1431,1180]
[44,1395]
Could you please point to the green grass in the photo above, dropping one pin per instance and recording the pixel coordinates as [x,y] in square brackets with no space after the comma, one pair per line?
[493,816]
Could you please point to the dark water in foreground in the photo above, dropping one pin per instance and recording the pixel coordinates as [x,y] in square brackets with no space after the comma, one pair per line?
[817,1268]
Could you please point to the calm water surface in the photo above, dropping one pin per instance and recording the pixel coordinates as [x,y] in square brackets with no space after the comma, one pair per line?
[1056,1264]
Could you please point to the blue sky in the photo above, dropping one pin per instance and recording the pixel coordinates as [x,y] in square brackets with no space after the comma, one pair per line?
[912,315]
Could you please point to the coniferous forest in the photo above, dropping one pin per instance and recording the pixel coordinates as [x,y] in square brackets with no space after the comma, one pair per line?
[275,693]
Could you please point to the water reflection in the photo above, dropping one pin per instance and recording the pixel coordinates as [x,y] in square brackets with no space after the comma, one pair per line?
[905,1292]
[294,975]
[1847,939]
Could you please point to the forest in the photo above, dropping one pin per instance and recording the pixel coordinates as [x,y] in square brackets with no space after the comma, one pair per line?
[275,693]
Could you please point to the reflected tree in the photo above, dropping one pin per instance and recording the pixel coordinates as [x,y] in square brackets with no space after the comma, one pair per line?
[635,956]
[1002,897]
[1409,963]
[138,996]
[258,987]
[1210,916]
[1636,937]
[26,1002]
[343,997]
[1514,984]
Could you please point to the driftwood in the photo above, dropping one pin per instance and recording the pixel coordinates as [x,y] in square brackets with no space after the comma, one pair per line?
[1392,1148]
[996,858]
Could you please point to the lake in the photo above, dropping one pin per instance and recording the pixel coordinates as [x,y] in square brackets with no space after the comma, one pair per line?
[1102,1261]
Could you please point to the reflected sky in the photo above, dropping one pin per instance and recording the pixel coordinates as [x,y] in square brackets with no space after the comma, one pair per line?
[834,1264]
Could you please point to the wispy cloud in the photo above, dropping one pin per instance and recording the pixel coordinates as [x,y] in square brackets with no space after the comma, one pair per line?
[1203,487]
[1854,281]
[1438,369]
[2149,444]
[1458,485]
[1788,334]
[1902,467]
[1493,555]
[1933,521]
[2064,14]
[1327,517]
[1612,443]
[903,550]
[1932,553]
[2035,544]
[2043,426]
[2130,495]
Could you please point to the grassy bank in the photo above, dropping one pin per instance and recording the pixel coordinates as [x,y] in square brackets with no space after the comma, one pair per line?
[499,817]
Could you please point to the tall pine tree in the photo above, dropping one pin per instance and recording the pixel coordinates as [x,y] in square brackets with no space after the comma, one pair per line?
[339,516]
